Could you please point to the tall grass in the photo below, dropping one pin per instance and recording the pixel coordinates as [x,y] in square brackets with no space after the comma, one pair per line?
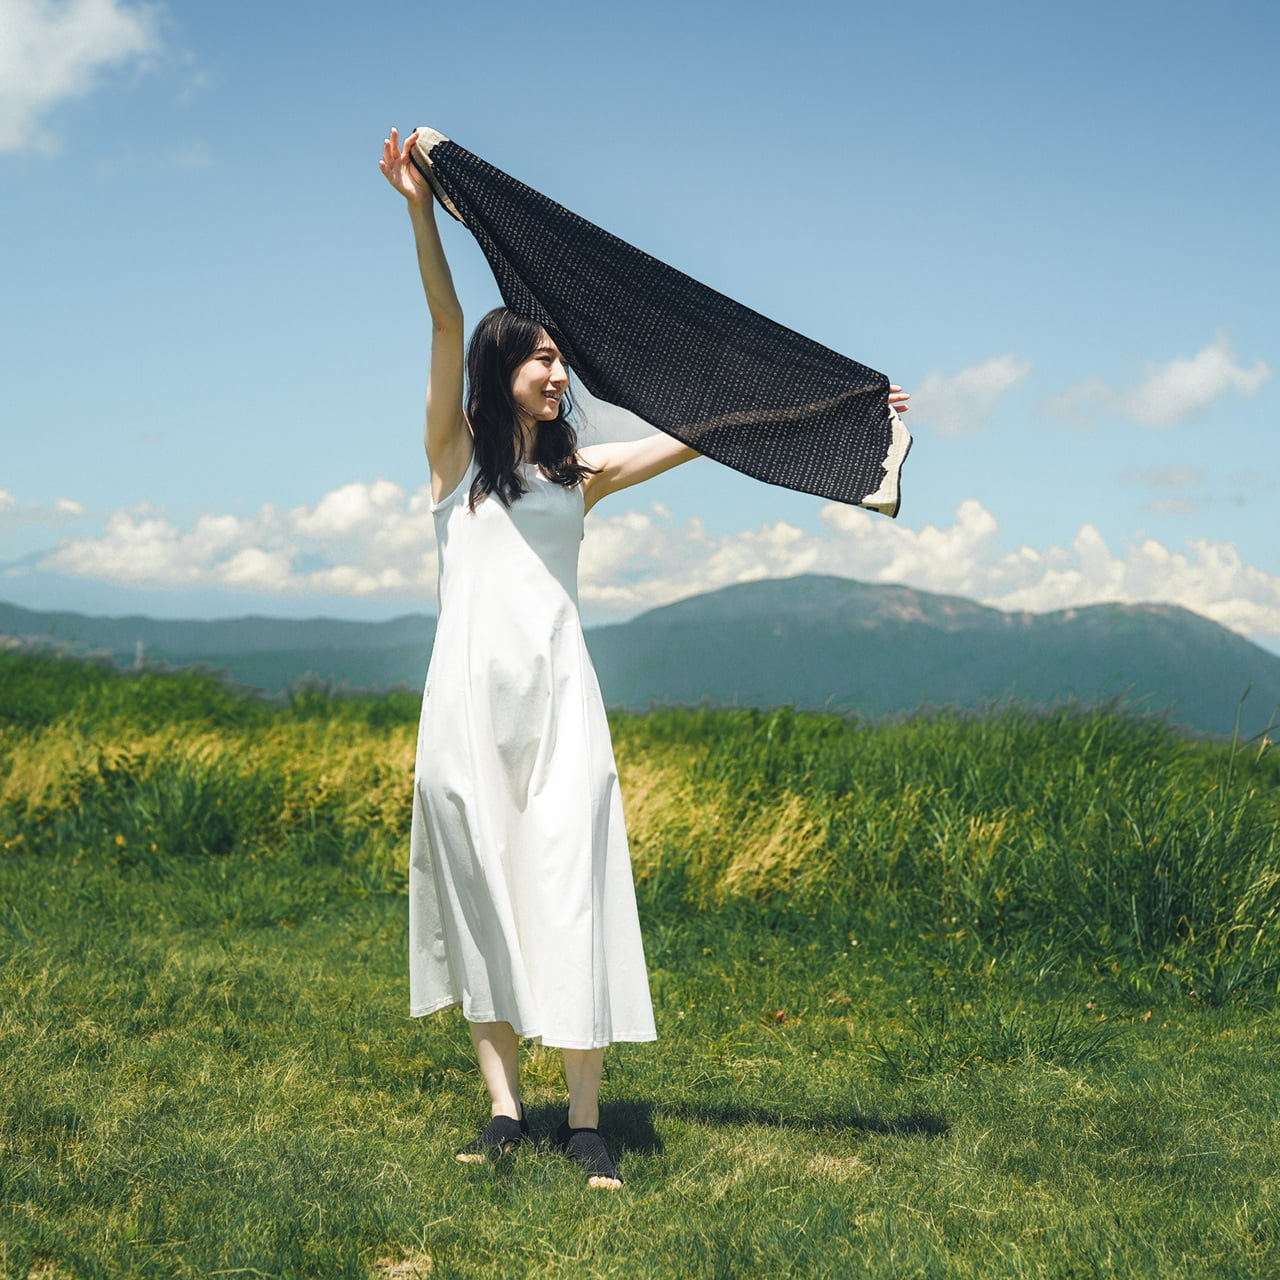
[1015,834]
[1017,837]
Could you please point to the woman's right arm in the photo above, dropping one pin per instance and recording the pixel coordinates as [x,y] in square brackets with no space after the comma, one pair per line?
[446,436]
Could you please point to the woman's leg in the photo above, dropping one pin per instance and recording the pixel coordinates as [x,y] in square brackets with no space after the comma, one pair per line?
[582,1071]
[578,1137]
[498,1053]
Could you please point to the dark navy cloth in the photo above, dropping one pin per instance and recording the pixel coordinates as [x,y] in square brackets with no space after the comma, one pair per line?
[718,376]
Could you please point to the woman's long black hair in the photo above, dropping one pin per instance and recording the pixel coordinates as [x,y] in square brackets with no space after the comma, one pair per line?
[502,341]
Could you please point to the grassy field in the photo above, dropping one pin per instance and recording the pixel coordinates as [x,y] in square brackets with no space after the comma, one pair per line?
[956,996]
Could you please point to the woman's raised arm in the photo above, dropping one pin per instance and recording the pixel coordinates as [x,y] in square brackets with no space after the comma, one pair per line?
[447,439]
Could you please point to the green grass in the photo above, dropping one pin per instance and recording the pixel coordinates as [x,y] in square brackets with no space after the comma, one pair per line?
[988,996]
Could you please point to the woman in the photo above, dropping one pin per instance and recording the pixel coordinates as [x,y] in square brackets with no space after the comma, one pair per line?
[522,906]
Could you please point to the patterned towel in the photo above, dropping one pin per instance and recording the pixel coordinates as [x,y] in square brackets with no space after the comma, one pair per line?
[720,377]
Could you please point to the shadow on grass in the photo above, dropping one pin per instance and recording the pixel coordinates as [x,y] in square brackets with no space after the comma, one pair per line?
[631,1123]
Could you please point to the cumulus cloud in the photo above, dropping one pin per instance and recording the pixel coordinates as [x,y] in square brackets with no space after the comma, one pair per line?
[637,560]
[1209,577]
[52,51]
[361,539]
[374,539]
[955,404]
[1184,388]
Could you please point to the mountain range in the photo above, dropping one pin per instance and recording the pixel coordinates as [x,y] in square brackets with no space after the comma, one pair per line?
[811,641]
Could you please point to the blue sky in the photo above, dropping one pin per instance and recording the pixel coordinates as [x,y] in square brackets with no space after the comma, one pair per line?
[1055,225]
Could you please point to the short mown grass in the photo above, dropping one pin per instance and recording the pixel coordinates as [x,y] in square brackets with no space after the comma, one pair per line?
[956,996]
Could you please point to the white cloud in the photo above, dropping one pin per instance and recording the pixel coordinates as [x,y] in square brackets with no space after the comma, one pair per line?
[375,540]
[16,515]
[1208,577]
[637,560]
[955,404]
[353,506]
[52,51]
[362,539]
[254,569]
[1184,388]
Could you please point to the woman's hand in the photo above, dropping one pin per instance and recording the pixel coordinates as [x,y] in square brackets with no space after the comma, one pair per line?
[898,398]
[400,170]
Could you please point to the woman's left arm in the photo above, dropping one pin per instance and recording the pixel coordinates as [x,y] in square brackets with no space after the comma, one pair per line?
[624,463]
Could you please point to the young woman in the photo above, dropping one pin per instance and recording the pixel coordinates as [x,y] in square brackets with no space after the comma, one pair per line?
[521,904]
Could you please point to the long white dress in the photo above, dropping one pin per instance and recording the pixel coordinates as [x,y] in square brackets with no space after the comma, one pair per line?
[521,900]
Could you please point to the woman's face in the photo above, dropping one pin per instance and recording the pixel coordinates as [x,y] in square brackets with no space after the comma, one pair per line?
[539,383]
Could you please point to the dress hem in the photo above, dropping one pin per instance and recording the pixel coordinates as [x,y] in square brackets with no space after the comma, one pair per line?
[423,1011]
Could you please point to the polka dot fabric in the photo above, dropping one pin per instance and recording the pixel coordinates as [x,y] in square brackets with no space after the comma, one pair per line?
[722,378]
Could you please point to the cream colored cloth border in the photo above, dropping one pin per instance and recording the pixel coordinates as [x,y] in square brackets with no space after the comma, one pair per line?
[886,498]
[423,145]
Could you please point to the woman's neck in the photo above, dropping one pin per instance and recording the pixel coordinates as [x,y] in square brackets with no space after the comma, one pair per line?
[527,437]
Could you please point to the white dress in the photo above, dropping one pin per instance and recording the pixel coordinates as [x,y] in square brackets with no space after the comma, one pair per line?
[521,901]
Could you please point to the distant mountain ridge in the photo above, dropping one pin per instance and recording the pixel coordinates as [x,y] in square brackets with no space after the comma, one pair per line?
[876,651]
[814,641]
[261,652]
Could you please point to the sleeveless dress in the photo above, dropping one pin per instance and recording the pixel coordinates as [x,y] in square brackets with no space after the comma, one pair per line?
[521,900]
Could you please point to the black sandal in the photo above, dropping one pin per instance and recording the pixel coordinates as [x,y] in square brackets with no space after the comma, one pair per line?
[501,1135]
[586,1147]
